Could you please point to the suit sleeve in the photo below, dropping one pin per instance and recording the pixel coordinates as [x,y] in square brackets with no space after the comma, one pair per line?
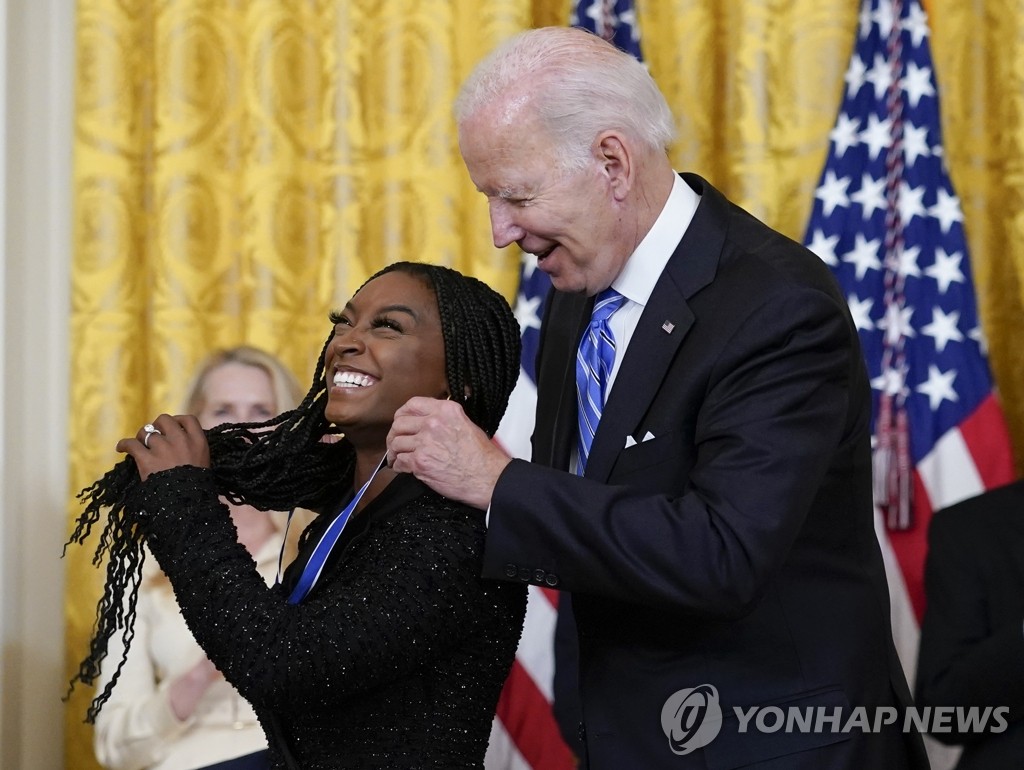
[965,660]
[367,625]
[755,456]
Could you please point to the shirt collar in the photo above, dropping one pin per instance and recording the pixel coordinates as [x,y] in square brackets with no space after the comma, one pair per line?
[646,263]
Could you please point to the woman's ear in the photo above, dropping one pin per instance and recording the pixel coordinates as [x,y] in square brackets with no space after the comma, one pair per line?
[467,392]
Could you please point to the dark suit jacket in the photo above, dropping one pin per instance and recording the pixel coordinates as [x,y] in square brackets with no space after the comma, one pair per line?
[972,636]
[736,547]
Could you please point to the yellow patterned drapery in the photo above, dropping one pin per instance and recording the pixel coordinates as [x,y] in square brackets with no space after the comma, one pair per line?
[240,167]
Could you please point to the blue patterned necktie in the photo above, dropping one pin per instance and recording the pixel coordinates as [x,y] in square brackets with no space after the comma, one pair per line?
[594,361]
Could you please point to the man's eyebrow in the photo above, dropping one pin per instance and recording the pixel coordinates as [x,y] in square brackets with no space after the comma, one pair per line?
[505,193]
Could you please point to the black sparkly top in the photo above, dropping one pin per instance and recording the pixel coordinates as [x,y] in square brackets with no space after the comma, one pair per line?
[397,656]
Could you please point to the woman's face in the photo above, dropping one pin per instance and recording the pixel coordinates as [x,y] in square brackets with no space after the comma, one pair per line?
[236,392]
[387,348]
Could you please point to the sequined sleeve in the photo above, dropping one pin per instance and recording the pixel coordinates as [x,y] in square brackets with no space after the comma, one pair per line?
[409,594]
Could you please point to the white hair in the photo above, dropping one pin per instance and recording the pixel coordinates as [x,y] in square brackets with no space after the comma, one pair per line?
[577,85]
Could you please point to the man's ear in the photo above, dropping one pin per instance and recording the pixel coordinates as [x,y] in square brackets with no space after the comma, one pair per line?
[616,158]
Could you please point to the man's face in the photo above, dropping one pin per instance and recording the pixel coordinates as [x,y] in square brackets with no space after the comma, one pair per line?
[570,221]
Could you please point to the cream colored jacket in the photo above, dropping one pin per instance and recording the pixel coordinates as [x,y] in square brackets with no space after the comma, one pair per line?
[136,729]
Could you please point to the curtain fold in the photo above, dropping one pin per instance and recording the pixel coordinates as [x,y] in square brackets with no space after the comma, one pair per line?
[241,166]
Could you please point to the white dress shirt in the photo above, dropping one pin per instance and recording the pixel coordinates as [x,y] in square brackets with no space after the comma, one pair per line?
[646,263]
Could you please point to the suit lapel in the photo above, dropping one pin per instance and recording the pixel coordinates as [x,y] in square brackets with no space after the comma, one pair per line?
[664,324]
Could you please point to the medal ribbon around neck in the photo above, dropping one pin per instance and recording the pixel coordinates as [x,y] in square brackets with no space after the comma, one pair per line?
[317,560]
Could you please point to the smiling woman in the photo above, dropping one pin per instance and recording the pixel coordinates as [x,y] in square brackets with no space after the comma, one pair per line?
[382,647]
[382,354]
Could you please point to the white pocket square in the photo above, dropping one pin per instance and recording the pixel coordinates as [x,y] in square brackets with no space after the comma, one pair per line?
[630,441]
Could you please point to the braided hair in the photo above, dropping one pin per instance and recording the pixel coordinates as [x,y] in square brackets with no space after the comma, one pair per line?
[291,466]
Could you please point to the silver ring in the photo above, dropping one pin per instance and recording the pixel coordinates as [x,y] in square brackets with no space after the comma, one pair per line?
[150,430]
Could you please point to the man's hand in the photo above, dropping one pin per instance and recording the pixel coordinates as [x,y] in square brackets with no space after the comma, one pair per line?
[437,443]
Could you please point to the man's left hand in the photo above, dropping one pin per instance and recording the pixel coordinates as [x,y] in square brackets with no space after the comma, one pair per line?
[436,442]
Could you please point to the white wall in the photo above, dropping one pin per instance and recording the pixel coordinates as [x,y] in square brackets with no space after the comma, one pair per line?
[36,98]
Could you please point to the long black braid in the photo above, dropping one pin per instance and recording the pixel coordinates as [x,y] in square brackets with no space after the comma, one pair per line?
[291,466]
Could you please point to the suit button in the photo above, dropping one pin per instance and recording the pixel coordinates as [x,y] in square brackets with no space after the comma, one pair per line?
[511,571]
[524,574]
[551,580]
[539,575]
[581,733]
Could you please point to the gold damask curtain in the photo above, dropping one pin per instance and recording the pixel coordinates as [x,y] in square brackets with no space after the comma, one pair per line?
[240,166]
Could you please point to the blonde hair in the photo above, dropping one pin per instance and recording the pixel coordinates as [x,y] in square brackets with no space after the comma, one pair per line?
[287,391]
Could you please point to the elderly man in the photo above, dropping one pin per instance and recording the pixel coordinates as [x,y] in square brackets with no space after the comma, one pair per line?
[701,477]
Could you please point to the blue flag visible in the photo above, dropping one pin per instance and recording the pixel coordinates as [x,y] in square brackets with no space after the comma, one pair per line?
[887,221]
[614,20]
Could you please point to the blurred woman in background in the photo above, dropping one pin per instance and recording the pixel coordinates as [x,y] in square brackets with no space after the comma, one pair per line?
[172,709]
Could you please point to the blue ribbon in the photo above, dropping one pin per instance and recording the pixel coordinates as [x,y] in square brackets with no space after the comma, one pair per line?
[317,560]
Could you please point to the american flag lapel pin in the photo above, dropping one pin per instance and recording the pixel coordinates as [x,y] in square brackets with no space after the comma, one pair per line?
[667,327]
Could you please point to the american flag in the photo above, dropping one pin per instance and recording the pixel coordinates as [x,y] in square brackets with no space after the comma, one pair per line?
[525,735]
[887,221]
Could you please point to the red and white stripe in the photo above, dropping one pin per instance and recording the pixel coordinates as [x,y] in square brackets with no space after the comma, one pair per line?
[964,462]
